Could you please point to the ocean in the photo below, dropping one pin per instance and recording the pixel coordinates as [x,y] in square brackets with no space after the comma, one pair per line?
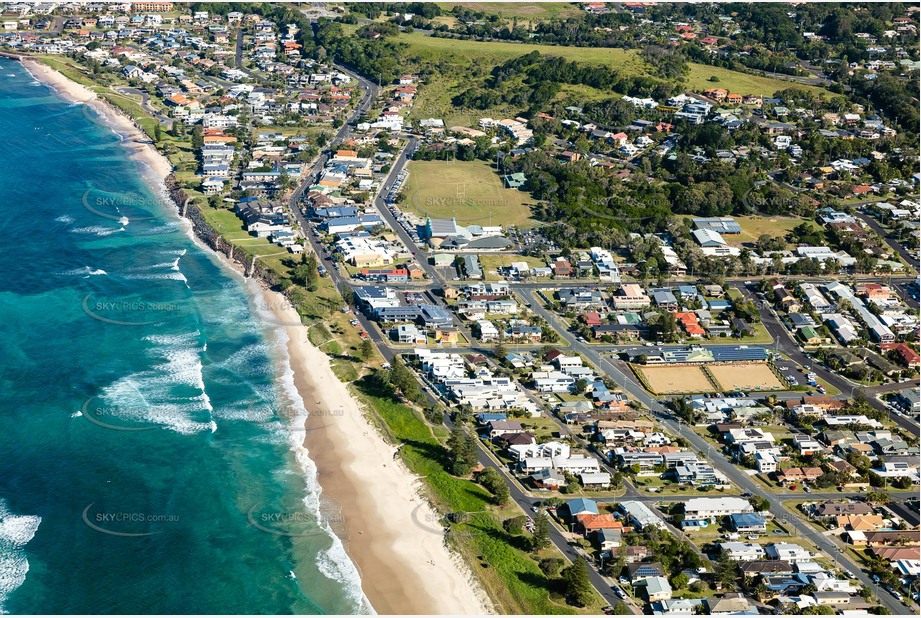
[150,433]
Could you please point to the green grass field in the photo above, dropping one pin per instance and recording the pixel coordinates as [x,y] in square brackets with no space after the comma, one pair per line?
[742,83]
[468,190]
[485,53]
[473,59]
[491,262]
[509,574]
[754,226]
[536,11]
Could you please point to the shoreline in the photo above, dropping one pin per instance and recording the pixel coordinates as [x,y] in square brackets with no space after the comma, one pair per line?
[391,535]
[404,564]
[133,138]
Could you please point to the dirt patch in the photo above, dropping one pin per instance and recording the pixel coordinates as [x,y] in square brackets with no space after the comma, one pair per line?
[747,377]
[673,380]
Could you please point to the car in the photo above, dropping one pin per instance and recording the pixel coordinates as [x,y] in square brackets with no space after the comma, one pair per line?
[876,578]
[623,581]
[620,592]
[807,490]
[752,537]
[747,494]
[534,509]
[386,365]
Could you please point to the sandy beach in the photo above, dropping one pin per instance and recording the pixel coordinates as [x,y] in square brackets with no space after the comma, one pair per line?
[389,531]
[392,534]
[133,138]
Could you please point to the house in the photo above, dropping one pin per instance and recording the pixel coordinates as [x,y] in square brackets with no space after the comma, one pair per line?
[634,554]
[606,539]
[497,428]
[656,589]
[716,507]
[581,506]
[764,567]
[788,552]
[640,515]
[740,552]
[734,604]
[747,522]
[640,571]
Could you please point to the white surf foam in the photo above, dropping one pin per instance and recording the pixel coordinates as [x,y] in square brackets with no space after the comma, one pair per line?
[65,219]
[15,532]
[148,397]
[86,270]
[334,563]
[98,230]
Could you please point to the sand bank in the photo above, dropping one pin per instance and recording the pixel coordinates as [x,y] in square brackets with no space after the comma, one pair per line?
[388,530]
[392,534]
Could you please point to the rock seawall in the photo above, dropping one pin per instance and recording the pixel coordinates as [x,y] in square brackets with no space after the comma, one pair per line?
[208,235]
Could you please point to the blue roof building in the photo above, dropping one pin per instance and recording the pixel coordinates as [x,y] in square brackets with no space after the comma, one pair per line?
[747,522]
[578,506]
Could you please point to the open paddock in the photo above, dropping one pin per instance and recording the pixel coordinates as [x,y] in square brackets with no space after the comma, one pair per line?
[673,380]
[745,377]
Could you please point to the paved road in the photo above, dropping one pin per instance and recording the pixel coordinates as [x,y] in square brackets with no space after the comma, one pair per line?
[719,461]
[145,103]
[732,472]
[886,235]
[783,340]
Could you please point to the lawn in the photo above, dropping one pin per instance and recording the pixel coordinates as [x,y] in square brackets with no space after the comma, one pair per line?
[532,11]
[699,79]
[488,53]
[510,575]
[754,226]
[491,262]
[468,190]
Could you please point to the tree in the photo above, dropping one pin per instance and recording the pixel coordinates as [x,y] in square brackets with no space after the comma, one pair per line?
[366,350]
[680,581]
[541,536]
[877,497]
[514,525]
[578,388]
[461,452]
[551,567]
[621,609]
[499,351]
[579,589]
[158,132]
[759,503]
[435,414]
[306,273]
[493,481]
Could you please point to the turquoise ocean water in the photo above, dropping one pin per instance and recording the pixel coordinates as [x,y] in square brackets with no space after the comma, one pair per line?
[148,423]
